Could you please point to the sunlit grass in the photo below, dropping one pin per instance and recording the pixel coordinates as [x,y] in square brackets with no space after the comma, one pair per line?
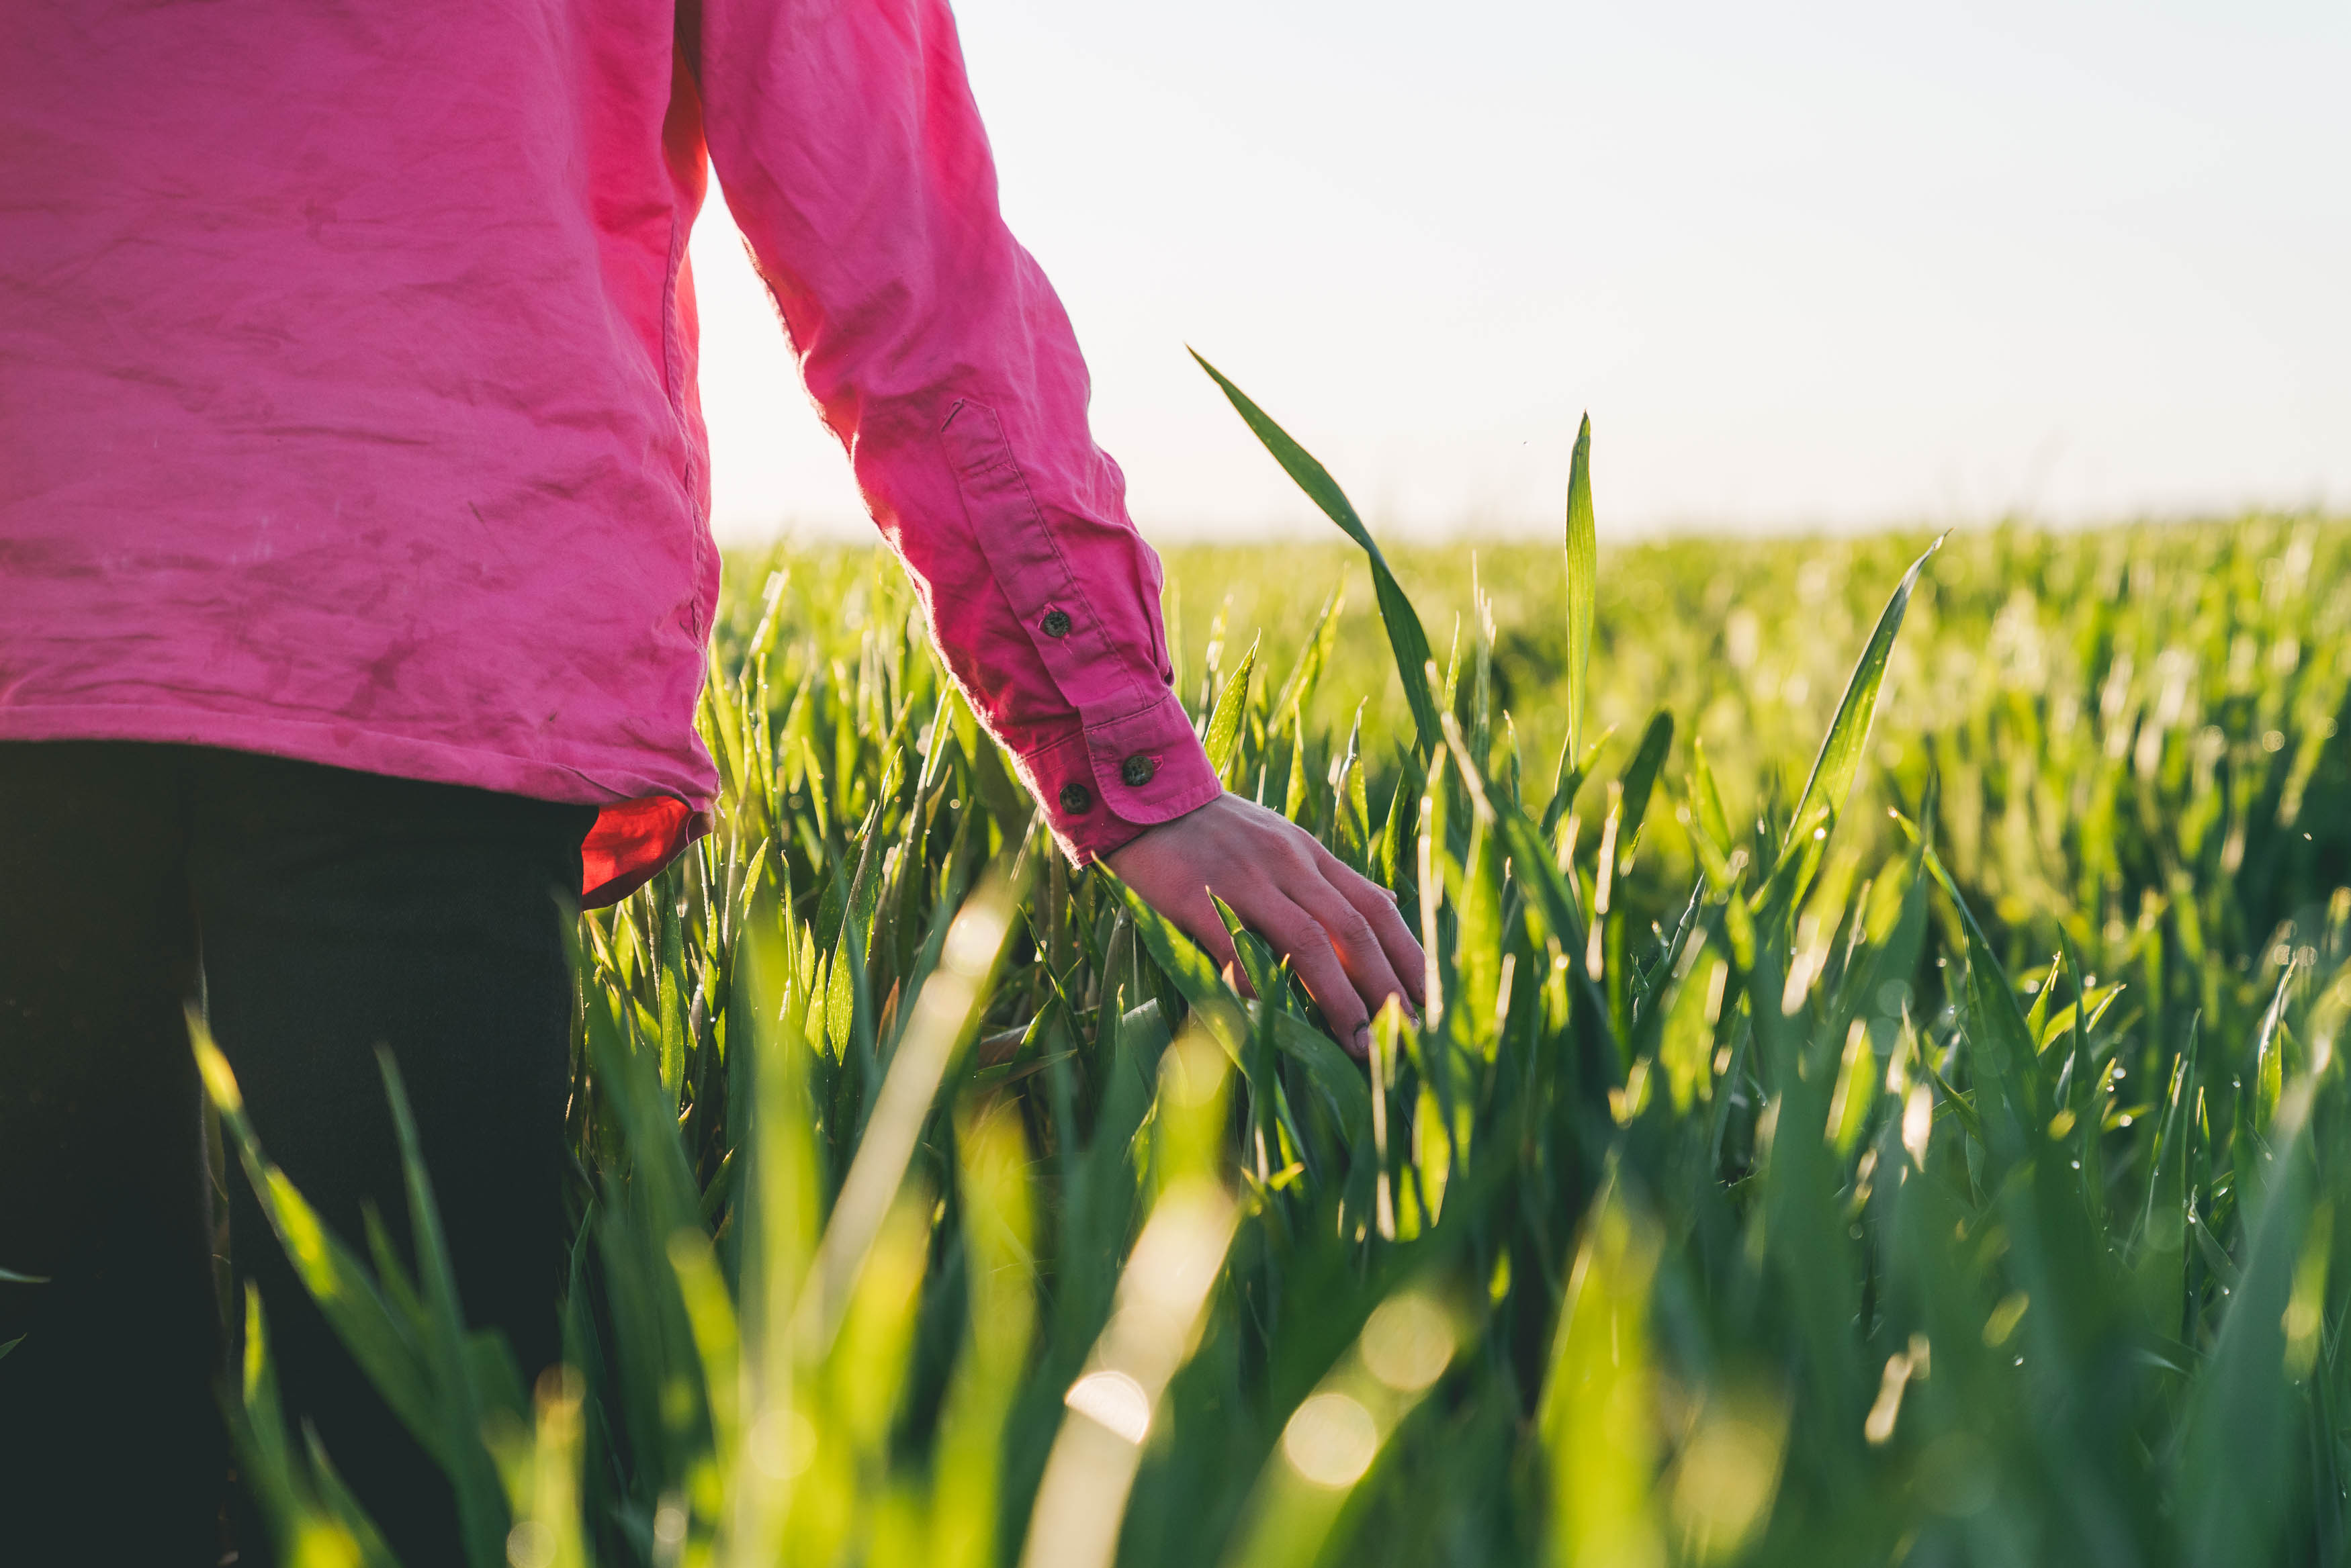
[1852,1122]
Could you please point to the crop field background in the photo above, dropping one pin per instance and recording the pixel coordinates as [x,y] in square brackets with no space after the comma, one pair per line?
[1879,1099]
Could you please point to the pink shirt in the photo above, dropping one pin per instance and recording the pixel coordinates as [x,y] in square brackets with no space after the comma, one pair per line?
[348,408]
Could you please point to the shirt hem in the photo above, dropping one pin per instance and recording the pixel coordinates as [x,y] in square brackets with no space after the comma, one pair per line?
[343,744]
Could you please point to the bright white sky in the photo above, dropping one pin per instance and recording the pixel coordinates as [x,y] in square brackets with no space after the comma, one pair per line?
[1807,265]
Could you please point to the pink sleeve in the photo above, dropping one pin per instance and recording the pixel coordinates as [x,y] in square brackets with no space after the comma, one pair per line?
[845,136]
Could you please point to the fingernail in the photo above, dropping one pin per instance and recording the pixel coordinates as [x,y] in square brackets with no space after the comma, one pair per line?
[1362,1039]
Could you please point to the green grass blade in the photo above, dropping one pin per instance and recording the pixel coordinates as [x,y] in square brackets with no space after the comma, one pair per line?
[481,1497]
[1595,1416]
[1641,782]
[1583,581]
[1266,975]
[385,1345]
[257,1425]
[1313,653]
[1839,758]
[1568,780]
[1332,1442]
[335,1498]
[945,1017]
[2007,1064]
[1232,703]
[1330,1070]
[2243,1426]
[1405,637]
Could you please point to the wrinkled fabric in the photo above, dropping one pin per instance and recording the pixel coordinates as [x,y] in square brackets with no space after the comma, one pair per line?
[347,406]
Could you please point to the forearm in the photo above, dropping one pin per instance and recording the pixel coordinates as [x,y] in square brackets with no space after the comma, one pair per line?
[853,155]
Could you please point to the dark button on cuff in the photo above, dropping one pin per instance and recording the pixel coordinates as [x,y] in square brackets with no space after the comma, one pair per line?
[1137,771]
[1055,624]
[1076,798]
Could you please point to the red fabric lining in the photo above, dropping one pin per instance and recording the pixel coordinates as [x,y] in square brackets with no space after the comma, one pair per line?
[630,845]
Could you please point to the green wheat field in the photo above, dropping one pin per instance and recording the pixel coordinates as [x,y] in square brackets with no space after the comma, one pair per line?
[1878,1100]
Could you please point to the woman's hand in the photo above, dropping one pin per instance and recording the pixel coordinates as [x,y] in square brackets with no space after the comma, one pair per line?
[1340,931]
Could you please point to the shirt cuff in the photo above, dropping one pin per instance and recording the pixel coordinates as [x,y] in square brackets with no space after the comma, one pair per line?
[1102,784]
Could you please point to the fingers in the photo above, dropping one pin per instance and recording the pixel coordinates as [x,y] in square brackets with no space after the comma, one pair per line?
[1345,940]
[1349,932]
[1302,938]
[1378,908]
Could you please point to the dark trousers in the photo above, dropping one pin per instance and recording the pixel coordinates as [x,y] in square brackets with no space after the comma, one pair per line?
[317,913]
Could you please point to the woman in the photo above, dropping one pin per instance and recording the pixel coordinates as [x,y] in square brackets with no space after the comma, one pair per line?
[354,584]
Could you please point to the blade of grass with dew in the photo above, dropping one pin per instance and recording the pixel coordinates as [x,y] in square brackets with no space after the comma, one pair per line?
[2241,1425]
[2002,1046]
